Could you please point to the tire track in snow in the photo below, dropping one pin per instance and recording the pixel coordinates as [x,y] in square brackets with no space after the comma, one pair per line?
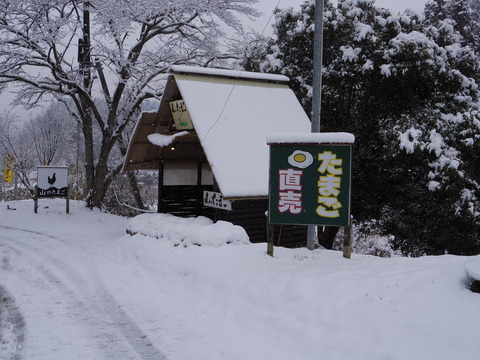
[28,231]
[11,320]
[100,301]
[139,341]
[81,307]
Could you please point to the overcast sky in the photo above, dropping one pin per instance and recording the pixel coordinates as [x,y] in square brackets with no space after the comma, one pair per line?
[267,7]
[395,5]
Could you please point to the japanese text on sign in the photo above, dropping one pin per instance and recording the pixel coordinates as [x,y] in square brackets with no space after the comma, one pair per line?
[290,195]
[310,184]
[329,184]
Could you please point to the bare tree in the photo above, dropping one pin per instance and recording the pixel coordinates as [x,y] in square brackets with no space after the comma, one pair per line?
[15,141]
[135,41]
[48,131]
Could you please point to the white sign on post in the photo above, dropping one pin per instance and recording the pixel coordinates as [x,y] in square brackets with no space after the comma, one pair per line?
[52,181]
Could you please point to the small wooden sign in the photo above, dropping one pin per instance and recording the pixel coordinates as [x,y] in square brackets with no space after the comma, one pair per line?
[180,115]
[216,200]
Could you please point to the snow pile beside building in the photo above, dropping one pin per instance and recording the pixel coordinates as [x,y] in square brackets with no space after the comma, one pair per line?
[199,231]
[472,268]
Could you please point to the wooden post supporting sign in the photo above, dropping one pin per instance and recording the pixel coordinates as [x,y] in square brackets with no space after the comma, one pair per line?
[347,243]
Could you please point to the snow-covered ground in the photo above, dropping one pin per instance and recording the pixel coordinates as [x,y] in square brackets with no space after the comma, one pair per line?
[78,287]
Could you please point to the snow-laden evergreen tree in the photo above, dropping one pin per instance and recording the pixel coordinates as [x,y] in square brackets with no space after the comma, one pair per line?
[462,13]
[475,5]
[407,89]
[134,41]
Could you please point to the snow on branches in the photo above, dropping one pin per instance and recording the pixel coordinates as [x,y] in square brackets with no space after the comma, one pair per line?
[407,86]
[134,42]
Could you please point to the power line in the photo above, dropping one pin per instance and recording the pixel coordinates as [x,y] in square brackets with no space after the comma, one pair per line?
[241,72]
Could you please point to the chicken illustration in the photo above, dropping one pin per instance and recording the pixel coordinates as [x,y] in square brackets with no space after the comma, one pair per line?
[51,180]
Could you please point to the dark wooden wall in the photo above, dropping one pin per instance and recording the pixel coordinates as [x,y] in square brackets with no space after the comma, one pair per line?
[186,201]
[250,214]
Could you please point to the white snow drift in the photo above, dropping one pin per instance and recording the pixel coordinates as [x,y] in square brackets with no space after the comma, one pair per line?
[87,290]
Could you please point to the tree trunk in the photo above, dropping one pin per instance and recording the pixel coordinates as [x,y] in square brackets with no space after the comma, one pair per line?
[326,236]
[132,179]
[103,179]
[87,129]
[101,171]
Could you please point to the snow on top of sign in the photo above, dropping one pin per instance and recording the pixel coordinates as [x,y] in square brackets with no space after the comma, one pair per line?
[228,73]
[164,140]
[308,138]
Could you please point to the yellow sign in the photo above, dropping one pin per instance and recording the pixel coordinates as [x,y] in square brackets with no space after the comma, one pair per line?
[9,159]
[7,175]
[8,167]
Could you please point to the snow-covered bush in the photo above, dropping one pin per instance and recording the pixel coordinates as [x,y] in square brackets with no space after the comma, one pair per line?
[368,239]
[472,268]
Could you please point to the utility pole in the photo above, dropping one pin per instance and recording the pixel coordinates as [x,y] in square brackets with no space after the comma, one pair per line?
[317,93]
[84,59]
[103,82]
[84,56]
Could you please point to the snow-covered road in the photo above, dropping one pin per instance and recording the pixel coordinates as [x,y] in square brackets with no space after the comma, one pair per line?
[77,287]
[64,301]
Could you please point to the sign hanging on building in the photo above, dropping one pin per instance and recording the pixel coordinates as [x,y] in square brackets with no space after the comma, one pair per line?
[310,183]
[216,200]
[181,116]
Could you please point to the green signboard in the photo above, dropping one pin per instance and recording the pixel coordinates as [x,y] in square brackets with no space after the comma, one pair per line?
[310,184]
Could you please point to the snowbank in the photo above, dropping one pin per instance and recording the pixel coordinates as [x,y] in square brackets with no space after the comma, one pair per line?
[472,267]
[188,231]
[102,290]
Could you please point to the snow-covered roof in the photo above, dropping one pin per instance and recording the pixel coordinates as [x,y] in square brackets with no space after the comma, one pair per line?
[232,119]
[237,74]
[232,113]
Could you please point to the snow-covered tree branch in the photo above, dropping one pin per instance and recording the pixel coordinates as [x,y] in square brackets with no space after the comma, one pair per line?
[134,41]
[407,86]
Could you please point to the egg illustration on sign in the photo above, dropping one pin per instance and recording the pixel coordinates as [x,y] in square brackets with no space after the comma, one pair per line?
[300,159]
